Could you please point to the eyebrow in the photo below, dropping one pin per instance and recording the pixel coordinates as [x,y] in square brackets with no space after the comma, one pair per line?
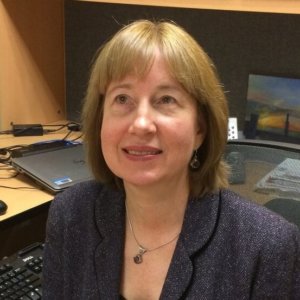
[161,87]
[119,86]
[169,87]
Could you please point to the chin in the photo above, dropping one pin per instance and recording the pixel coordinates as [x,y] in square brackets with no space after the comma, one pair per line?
[141,181]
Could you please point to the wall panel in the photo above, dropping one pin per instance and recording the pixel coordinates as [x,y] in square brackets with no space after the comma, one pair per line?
[238,42]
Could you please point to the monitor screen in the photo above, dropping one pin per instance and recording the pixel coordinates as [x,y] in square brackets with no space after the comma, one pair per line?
[273,108]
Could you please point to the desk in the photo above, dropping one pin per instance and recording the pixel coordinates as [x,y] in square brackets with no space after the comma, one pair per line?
[260,159]
[24,221]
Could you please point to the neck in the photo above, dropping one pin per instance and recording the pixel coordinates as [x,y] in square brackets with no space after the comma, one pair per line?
[156,210]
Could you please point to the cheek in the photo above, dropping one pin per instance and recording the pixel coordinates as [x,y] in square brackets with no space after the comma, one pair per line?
[112,132]
[185,137]
[106,136]
[104,130]
[108,144]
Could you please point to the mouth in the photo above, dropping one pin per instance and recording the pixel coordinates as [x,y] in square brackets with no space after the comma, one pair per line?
[142,152]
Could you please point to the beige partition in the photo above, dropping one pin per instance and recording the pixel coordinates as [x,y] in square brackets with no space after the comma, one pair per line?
[32,87]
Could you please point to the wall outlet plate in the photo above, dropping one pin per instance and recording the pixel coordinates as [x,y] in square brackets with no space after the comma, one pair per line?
[232,129]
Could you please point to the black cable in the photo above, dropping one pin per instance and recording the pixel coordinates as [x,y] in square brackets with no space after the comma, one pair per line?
[10,148]
[18,187]
[6,132]
[8,169]
[68,134]
[7,152]
[73,126]
[60,127]
[6,166]
[73,140]
[55,125]
[10,177]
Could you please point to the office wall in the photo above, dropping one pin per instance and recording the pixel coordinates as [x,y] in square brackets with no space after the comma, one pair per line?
[32,86]
[238,42]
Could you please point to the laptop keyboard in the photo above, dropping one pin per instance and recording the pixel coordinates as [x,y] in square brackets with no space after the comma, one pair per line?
[21,274]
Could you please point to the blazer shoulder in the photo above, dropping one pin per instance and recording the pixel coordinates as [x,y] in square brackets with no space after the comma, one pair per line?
[76,200]
[253,217]
[89,188]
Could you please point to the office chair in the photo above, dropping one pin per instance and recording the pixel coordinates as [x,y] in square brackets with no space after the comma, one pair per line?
[288,208]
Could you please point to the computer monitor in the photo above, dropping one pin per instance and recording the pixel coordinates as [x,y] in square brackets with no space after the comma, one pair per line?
[273,108]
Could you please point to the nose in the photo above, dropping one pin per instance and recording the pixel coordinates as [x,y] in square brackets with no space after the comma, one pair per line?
[143,120]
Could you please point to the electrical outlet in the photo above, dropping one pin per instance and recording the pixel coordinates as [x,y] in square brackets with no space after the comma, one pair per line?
[232,129]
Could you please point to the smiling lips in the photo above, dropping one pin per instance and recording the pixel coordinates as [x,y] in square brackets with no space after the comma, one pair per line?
[142,151]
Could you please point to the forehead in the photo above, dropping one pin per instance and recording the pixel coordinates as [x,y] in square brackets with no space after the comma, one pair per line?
[158,76]
[138,62]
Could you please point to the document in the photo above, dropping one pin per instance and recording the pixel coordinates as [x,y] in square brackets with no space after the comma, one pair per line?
[284,180]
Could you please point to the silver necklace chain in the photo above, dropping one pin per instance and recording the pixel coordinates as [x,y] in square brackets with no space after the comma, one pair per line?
[138,258]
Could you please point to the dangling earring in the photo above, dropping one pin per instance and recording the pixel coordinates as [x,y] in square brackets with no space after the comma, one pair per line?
[195,163]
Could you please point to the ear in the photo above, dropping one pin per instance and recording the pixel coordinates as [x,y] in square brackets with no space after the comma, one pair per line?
[201,132]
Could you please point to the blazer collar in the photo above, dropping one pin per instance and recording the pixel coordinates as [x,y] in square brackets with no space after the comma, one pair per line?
[110,221]
[199,225]
[200,221]
[198,228]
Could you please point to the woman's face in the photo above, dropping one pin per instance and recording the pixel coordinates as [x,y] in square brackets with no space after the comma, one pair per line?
[150,128]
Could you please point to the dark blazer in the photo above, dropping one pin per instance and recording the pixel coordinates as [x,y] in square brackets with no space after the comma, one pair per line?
[229,248]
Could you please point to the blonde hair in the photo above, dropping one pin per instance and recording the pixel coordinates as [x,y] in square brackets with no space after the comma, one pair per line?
[135,45]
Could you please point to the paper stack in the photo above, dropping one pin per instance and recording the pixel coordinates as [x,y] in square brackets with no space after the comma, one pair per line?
[284,180]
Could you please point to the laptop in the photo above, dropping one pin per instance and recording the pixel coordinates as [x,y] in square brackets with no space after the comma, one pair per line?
[55,170]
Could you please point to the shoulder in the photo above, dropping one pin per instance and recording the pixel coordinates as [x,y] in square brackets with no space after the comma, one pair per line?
[266,242]
[235,206]
[255,221]
[79,200]
[82,193]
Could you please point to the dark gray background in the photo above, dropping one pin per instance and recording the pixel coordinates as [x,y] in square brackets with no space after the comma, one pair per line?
[238,42]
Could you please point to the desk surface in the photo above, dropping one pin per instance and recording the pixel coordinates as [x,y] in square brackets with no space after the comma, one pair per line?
[260,160]
[20,193]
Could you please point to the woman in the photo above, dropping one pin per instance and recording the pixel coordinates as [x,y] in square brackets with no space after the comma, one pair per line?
[158,221]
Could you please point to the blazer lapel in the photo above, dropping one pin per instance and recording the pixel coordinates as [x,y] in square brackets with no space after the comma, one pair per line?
[179,274]
[110,218]
[199,225]
[198,228]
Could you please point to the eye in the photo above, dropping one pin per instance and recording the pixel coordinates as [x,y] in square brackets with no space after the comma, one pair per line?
[167,100]
[122,99]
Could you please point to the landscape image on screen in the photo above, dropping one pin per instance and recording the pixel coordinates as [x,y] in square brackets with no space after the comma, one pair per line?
[273,108]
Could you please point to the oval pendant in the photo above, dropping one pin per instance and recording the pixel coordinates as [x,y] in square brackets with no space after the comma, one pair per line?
[138,259]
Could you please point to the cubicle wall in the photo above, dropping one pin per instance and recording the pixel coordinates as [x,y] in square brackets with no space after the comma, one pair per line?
[32,87]
[238,42]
